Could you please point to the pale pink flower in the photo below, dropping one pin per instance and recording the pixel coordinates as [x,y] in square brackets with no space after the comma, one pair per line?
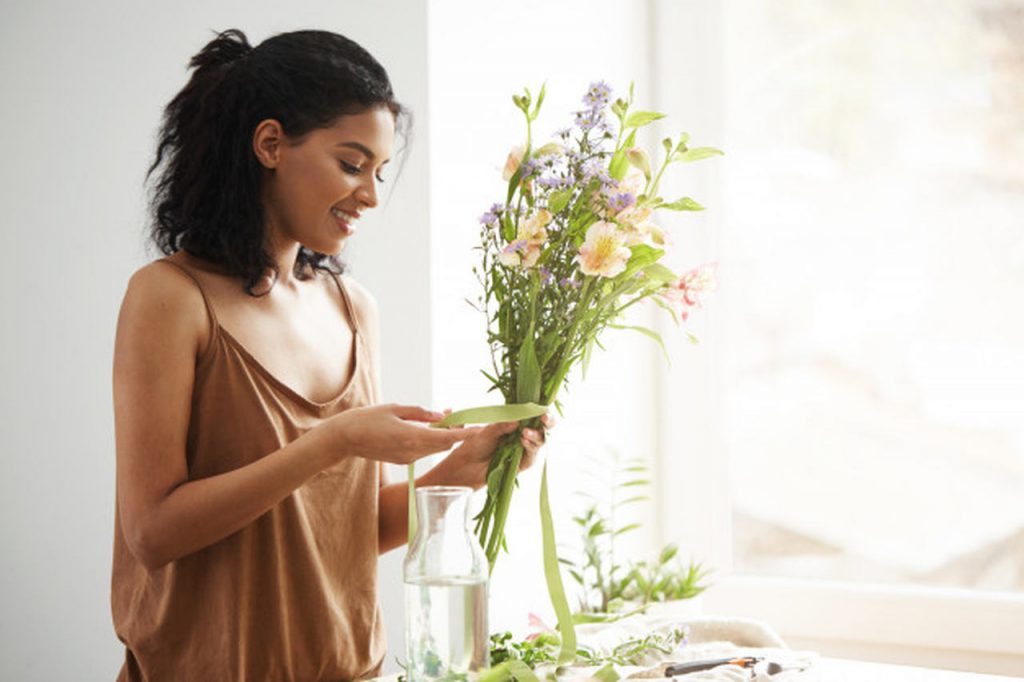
[540,627]
[519,253]
[686,292]
[531,229]
[515,157]
[604,251]
[636,225]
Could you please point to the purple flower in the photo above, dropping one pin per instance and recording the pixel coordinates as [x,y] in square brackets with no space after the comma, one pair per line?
[597,95]
[564,133]
[620,201]
[545,275]
[594,169]
[491,216]
[528,168]
[517,245]
[551,182]
[586,120]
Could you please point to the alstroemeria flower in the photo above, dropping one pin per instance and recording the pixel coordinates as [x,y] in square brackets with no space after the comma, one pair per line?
[604,251]
[540,627]
[519,253]
[635,223]
[685,293]
[515,157]
[531,230]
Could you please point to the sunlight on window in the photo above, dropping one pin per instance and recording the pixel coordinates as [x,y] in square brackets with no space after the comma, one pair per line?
[875,266]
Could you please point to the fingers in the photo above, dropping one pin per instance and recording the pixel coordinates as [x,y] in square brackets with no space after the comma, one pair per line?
[547,420]
[442,439]
[416,413]
[533,437]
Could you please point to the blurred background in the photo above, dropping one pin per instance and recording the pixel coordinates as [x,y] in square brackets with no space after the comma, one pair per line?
[852,417]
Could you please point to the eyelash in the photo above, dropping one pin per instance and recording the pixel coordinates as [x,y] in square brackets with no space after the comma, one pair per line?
[356,170]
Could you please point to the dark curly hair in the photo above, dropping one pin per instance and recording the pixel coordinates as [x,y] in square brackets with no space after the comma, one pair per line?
[207,196]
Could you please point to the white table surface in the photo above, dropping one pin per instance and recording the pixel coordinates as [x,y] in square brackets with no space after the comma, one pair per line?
[841,670]
[837,670]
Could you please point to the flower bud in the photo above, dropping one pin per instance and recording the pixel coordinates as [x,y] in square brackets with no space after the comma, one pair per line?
[638,158]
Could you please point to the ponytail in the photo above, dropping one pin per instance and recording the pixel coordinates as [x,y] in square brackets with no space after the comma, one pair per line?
[228,47]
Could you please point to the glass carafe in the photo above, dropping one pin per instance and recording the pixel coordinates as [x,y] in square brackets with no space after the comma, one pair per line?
[445,574]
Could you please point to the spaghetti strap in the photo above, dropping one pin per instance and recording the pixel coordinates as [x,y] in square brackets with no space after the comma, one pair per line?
[348,303]
[214,325]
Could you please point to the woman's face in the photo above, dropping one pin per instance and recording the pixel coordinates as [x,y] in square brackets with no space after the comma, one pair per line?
[316,188]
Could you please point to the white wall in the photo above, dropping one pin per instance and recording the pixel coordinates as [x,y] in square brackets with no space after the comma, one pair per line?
[83,85]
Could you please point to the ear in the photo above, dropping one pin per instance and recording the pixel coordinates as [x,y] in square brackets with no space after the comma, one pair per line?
[267,141]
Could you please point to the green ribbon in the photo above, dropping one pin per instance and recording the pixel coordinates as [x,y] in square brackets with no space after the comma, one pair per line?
[493,413]
[554,577]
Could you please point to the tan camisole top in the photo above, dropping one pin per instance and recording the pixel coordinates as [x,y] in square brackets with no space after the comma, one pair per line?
[293,595]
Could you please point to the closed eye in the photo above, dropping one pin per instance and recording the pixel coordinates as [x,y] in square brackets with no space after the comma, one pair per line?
[356,170]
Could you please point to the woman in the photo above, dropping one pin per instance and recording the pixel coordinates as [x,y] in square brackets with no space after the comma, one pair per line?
[251,504]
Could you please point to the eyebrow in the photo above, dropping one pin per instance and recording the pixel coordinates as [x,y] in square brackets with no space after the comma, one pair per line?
[361,148]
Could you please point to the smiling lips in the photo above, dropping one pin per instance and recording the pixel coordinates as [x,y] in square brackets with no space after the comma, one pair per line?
[346,221]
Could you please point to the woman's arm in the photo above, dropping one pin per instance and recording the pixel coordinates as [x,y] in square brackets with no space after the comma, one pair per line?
[161,329]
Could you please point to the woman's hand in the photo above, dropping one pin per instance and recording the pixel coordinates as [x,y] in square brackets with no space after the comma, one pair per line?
[389,433]
[467,464]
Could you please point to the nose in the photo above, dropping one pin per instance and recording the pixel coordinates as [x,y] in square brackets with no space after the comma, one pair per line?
[367,192]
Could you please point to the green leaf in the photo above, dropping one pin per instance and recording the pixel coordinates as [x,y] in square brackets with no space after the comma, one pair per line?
[558,200]
[643,256]
[606,674]
[492,413]
[696,154]
[508,230]
[507,672]
[540,100]
[554,578]
[650,333]
[684,204]
[528,377]
[619,164]
[639,119]
[668,553]
[627,528]
[412,502]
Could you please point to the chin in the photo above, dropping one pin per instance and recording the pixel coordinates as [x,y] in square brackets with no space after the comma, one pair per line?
[329,248]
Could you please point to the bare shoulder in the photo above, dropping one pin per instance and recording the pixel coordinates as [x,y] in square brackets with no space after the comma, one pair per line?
[162,302]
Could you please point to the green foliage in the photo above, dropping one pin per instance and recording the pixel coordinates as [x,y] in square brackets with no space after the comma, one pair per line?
[610,589]
[634,651]
[543,649]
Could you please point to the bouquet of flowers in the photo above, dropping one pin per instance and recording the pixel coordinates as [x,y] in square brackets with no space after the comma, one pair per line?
[571,248]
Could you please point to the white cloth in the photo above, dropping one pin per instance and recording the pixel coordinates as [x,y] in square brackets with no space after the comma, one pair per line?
[707,638]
